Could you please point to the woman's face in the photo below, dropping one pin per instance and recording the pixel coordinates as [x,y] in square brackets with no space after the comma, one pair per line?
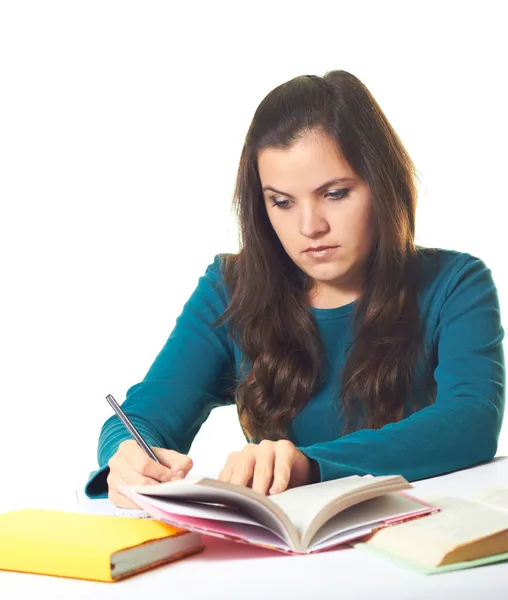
[304,212]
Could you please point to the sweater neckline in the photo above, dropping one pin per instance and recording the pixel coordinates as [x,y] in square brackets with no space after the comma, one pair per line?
[339,312]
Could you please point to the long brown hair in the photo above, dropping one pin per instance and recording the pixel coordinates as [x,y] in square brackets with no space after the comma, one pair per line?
[269,315]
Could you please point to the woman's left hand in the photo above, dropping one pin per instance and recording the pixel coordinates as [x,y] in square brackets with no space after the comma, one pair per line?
[268,466]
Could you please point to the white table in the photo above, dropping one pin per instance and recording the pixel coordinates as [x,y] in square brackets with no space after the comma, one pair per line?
[229,570]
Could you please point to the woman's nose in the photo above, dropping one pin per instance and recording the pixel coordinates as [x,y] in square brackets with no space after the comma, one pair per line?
[312,222]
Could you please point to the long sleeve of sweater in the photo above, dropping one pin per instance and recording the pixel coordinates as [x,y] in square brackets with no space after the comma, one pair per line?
[462,426]
[192,374]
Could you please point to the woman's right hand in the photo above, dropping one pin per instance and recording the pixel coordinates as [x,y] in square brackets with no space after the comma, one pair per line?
[131,465]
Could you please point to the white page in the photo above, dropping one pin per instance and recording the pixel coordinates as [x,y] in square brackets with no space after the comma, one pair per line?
[426,541]
[369,513]
[104,506]
[300,504]
[493,496]
[185,489]
[459,522]
[253,533]
[341,538]
[303,503]
[203,511]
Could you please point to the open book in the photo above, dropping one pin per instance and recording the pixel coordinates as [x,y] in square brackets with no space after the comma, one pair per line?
[465,533]
[299,520]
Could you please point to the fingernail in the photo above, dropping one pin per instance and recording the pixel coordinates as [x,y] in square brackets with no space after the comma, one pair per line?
[180,474]
[274,490]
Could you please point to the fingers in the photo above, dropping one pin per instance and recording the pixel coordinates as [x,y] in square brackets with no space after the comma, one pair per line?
[238,468]
[225,474]
[179,464]
[117,497]
[131,465]
[264,467]
[130,456]
[147,467]
[130,459]
[283,463]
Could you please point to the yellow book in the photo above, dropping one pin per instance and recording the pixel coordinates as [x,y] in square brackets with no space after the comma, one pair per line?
[86,546]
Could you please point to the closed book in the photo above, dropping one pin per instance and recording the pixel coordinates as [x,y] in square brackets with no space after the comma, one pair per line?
[86,546]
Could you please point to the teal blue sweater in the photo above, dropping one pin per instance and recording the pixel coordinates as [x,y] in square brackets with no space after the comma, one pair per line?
[460,312]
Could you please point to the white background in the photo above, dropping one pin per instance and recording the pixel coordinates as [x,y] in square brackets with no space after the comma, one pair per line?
[121,126]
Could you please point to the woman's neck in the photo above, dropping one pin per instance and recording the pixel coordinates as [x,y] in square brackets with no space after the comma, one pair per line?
[332,298]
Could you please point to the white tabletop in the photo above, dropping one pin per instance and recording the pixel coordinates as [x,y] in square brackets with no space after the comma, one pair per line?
[229,570]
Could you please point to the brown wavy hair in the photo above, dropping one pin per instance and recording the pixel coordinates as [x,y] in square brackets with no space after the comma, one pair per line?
[269,314]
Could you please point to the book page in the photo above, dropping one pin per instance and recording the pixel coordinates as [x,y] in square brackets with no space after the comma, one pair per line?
[428,539]
[289,513]
[216,512]
[249,533]
[494,496]
[303,504]
[368,514]
[206,492]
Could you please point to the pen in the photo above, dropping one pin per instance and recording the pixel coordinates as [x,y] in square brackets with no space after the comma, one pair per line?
[130,427]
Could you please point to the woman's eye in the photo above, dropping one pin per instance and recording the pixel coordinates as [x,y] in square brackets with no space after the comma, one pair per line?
[336,195]
[281,203]
[339,194]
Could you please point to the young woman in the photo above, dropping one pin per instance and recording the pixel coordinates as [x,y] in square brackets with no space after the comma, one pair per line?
[346,348]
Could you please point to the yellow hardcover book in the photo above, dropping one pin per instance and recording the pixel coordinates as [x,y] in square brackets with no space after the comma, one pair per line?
[86,546]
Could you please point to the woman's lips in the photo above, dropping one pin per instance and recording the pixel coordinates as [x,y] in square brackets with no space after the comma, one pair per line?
[324,253]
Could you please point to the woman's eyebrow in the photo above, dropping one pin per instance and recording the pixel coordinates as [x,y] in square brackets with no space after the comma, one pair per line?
[323,186]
